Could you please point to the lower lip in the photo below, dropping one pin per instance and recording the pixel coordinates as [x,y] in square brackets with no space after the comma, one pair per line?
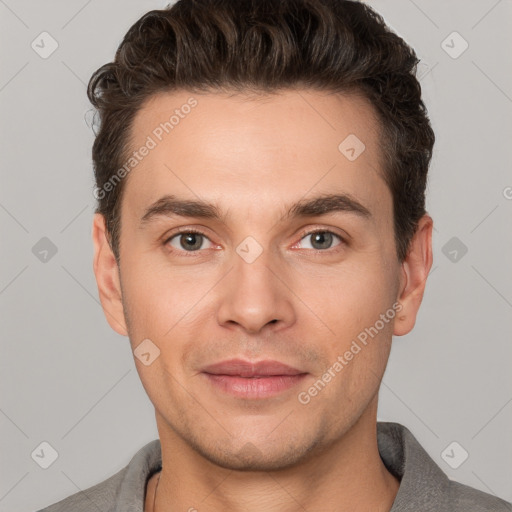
[254,388]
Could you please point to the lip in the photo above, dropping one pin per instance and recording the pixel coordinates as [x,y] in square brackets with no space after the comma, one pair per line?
[252,380]
[241,368]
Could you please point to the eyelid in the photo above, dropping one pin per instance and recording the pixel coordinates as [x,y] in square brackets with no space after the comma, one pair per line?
[320,229]
[311,231]
[183,230]
[307,231]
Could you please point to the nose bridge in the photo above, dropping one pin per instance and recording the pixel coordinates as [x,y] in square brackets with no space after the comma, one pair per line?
[255,295]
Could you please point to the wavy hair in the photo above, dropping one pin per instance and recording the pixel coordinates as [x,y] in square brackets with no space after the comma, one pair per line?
[263,46]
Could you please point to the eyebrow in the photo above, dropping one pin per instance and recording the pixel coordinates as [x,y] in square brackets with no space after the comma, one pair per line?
[168,206]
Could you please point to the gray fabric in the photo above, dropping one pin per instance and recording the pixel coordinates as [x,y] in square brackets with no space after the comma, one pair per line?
[423,486]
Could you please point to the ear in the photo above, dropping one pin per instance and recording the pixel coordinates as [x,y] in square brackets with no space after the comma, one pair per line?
[107,277]
[413,277]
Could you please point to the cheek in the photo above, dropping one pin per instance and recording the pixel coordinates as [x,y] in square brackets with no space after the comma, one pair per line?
[357,347]
[145,296]
[161,302]
[349,297]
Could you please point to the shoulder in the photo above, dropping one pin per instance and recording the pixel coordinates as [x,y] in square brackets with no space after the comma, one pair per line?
[122,491]
[99,497]
[463,498]
[423,485]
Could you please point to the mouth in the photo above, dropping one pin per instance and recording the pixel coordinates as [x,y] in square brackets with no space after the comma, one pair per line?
[258,380]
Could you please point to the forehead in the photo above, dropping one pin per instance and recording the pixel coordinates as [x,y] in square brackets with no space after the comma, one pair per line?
[253,153]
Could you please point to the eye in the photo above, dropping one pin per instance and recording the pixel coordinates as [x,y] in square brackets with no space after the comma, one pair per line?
[321,239]
[193,241]
[189,241]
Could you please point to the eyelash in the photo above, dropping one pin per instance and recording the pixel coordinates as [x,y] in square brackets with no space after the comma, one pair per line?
[185,231]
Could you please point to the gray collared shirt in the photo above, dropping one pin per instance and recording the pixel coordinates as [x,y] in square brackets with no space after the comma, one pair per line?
[423,486]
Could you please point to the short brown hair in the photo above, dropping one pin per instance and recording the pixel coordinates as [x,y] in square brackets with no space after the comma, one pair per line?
[265,46]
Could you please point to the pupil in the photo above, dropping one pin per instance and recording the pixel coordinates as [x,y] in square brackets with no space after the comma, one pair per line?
[323,238]
[191,237]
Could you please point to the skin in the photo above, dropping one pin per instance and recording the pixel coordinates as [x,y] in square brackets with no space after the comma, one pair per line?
[252,157]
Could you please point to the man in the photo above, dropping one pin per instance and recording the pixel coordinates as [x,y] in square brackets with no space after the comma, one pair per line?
[260,236]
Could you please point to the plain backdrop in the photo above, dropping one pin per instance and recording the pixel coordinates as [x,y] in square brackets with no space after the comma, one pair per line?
[68,380]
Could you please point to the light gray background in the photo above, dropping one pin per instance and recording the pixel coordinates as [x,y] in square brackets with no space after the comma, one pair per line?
[68,379]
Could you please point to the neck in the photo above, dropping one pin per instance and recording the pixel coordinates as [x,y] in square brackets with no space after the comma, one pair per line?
[348,475]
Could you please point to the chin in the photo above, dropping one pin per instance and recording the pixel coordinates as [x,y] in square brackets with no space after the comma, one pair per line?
[250,457]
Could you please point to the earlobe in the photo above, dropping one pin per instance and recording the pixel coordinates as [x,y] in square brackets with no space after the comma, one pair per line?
[415,270]
[107,277]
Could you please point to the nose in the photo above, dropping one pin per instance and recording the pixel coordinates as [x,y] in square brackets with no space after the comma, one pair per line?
[255,295]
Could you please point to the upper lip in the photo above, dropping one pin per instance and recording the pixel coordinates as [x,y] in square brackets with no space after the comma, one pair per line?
[242,368]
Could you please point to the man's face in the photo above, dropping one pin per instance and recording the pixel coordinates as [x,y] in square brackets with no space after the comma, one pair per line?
[255,284]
